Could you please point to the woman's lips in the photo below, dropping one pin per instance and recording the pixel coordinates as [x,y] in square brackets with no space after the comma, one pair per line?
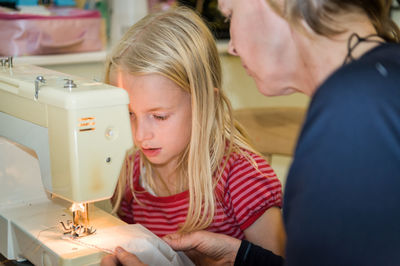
[151,152]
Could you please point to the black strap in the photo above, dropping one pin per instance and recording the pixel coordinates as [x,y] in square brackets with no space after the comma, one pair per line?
[253,255]
[350,46]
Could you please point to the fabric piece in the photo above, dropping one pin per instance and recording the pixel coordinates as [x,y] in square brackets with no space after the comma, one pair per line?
[138,240]
[67,30]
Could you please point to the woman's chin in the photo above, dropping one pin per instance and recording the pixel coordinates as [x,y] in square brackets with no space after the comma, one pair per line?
[270,90]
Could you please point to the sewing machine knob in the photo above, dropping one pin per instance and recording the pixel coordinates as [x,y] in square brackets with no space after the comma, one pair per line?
[38,81]
[7,61]
[69,84]
[111,133]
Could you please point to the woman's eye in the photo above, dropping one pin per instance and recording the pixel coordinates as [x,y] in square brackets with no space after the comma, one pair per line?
[160,117]
[228,18]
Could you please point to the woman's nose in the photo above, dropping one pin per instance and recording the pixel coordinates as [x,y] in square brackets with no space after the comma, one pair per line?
[231,49]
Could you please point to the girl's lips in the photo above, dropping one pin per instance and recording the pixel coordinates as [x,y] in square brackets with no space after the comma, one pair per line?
[151,152]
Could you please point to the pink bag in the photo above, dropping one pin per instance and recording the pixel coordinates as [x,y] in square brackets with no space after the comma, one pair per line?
[69,30]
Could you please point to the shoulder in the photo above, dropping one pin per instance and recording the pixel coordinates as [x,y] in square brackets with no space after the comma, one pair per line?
[244,161]
[246,168]
[359,92]
[353,117]
[249,187]
[377,73]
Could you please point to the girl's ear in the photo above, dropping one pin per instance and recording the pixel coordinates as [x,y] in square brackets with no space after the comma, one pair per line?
[216,90]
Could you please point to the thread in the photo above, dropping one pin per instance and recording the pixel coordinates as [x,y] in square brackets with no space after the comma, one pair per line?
[78,242]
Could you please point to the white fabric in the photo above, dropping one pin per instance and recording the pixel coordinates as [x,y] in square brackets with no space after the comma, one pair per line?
[136,239]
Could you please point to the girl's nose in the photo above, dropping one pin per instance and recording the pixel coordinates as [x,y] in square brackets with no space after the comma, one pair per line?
[142,132]
[231,49]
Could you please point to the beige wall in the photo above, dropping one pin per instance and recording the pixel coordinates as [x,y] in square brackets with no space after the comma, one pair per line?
[242,91]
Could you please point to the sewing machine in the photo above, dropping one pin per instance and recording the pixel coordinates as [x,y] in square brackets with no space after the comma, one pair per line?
[78,132]
[63,141]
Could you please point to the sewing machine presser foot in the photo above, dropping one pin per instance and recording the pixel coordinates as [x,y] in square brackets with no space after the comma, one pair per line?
[76,230]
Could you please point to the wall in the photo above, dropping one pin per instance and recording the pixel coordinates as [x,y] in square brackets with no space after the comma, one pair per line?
[243,92]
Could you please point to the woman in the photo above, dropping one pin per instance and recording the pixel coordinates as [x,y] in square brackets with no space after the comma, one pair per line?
[341,198]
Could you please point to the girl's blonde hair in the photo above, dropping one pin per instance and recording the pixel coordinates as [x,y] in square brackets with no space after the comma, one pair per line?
[178,45]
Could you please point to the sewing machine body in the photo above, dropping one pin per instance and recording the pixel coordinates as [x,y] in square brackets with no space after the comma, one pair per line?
[64,137]
[80,134]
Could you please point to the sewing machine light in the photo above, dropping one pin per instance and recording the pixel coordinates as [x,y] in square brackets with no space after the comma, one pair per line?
[80,214]
[77,207]
[80,225]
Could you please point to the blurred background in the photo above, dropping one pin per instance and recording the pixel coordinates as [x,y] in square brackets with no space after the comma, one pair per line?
[272,122]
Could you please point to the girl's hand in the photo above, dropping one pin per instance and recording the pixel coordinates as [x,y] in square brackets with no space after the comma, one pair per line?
[206,248]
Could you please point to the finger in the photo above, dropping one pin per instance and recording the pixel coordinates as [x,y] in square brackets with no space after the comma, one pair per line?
[180,242]
[109,260]
[194,256]
[127,258]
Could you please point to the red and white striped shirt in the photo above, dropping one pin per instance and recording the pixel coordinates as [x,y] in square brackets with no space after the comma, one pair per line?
[246,195]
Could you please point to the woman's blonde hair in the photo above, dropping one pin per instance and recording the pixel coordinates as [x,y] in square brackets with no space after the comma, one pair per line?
[178,45]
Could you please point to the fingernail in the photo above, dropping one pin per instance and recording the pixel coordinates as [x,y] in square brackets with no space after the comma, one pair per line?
[119,250]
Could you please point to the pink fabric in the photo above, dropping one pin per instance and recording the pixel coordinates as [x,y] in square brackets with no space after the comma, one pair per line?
[68,31]
[56,13]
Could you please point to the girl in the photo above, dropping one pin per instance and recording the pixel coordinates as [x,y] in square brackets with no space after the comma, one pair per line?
[192,167]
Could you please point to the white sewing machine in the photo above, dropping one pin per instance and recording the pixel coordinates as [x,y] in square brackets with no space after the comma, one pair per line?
[63,140]
[78,131]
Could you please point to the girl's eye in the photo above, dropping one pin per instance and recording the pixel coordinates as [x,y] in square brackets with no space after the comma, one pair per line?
[160,117]
[132,115]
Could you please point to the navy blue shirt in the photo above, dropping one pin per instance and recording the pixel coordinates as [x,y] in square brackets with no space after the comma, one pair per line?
[342,195]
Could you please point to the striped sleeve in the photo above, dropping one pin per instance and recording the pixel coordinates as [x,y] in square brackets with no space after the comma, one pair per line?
[252,191]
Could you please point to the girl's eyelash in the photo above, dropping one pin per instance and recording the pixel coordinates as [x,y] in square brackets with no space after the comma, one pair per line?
[160,117]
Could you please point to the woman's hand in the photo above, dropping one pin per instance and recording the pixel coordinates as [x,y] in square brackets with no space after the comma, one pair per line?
[121,257]
[206,248]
